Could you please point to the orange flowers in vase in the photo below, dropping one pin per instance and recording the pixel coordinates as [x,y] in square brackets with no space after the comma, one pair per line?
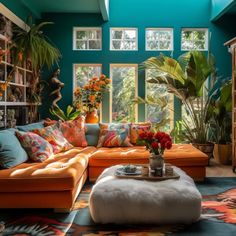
[88,98]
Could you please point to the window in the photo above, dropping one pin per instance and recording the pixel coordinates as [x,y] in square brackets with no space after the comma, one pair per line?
[84,72]
[123,39]
[124,90]
[160,108]
[194,39]
[87,38]
[159,39]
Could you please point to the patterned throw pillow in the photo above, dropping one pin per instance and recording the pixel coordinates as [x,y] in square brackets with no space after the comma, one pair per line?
[55,137]
[137,129]
[37,148]
[116,126]
[114,138]
[74,132]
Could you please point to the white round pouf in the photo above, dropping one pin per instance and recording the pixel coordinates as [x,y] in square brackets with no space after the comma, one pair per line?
[130,201]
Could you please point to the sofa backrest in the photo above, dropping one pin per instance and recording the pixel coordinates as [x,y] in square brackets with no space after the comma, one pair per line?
[92,134]
[29,127]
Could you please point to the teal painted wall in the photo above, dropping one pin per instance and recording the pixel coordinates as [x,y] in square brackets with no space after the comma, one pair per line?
[218,6]
[140,14]
[18,8]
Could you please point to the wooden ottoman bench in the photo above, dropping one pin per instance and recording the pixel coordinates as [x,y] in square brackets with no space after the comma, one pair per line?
[130,201]
[185,156]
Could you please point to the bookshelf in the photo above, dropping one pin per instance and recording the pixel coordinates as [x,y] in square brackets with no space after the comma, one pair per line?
[15,104]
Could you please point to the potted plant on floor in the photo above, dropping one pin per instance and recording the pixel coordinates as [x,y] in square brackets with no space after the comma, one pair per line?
[186,78]
[220,108]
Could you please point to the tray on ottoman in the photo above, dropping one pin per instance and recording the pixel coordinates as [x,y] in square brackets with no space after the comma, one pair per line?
[150,176]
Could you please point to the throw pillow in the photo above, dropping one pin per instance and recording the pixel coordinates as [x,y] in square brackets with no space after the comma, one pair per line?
[116,126]
[11,151]
[114,138]
[37,148]
[74,132]
[136,129]
[55,137]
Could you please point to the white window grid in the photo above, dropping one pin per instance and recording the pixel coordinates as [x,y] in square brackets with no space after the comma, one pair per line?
[123,40]
[158,40]
[87,39]
[206,41]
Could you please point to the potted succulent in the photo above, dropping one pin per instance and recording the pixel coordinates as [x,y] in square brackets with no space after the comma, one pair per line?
[221,123]
[186,78]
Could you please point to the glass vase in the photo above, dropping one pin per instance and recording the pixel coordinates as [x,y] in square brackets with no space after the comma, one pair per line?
[156,161]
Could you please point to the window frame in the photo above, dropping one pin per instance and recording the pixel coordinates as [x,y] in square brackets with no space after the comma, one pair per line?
[136,87]
[170,105]
[75,29]
[196,29]
[160,29]
[123,28]
[74,76]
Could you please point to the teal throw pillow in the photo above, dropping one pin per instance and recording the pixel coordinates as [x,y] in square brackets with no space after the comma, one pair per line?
[11,151]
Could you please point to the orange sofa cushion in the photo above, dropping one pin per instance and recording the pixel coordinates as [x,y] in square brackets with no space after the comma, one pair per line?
[58,173]
[179,155]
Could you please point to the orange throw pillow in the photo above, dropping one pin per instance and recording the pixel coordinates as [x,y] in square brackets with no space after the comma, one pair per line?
[74,132]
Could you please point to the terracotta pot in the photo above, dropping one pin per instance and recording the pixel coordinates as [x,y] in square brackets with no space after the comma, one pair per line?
[156,161]
[223,153]
[92,117]
[207,148]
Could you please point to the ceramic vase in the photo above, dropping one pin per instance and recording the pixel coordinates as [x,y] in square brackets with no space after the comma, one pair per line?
[92,117]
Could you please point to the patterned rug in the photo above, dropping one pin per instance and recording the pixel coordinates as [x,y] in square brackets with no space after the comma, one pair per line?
[218,217]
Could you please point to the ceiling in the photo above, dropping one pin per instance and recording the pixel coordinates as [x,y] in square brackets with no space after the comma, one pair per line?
[66,6]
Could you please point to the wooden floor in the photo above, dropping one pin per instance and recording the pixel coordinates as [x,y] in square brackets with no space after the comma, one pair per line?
[217,170]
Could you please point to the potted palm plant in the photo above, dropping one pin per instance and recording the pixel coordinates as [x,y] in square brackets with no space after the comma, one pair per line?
[220,109]
[186,78]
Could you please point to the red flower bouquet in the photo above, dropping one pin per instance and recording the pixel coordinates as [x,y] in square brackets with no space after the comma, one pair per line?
[157,142]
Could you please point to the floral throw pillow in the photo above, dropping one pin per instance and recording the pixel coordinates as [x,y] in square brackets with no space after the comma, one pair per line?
[74,132]
[114,138]
[55,137]
[37,148]
[136,130]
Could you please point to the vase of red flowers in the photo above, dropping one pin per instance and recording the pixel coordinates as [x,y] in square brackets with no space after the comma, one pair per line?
[156,143]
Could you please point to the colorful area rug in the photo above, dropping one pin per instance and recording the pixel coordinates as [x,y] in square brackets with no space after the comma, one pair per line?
[218,217]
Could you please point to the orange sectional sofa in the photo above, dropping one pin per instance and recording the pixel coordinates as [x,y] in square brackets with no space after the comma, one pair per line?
[56,182]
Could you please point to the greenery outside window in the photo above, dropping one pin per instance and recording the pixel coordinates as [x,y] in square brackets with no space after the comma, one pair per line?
[194,39]
[87,38]
[159,39]
[160,106]
[124,39]
[124,91]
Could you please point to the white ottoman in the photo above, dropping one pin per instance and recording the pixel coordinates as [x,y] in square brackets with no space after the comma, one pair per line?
[124,201]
